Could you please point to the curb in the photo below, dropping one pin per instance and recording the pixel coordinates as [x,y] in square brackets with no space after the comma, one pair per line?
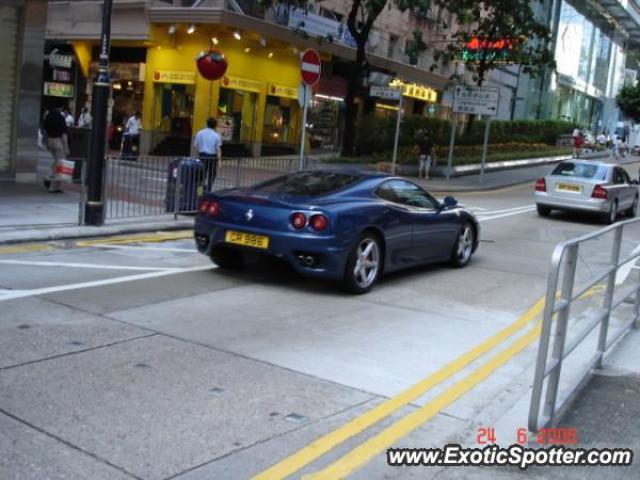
[71,233]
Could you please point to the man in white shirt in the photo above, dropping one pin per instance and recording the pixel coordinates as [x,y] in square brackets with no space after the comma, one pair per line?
[133,124]
[208,145]
[131,137]
[84,120]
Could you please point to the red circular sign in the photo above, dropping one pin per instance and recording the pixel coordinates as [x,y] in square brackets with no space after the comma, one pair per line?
[310,67]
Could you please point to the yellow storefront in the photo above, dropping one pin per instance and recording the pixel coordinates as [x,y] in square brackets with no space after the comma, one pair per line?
[255,102]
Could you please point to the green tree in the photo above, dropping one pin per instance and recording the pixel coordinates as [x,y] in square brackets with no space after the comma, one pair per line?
[503,31]
[628,99]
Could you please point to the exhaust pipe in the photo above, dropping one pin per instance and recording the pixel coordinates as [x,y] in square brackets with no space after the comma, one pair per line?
[306,260]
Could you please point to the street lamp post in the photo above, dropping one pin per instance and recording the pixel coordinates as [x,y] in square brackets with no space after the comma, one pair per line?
[94,208]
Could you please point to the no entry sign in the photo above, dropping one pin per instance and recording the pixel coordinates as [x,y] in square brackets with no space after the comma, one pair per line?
[310,67]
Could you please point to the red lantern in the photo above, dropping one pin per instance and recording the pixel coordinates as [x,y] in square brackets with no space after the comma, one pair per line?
[212,65]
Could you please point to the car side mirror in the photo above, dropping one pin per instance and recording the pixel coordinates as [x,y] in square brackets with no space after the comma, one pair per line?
[449,202]
[635,182]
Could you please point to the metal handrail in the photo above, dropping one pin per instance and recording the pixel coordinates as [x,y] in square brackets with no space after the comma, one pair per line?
[559,306]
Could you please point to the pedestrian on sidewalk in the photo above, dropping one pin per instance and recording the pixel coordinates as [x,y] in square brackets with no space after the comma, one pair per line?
[55,130]
[208,145]
[578,142]
[425,152]
[84,120]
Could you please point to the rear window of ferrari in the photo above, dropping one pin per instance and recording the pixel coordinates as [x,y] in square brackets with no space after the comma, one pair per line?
[308,183]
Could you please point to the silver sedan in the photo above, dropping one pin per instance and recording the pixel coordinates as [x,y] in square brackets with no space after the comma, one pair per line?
[597,187]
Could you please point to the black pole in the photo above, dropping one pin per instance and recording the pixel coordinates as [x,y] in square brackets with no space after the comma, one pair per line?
[94,208]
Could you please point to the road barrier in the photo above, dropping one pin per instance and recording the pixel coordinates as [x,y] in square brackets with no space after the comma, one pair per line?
[559,299]
[153,186]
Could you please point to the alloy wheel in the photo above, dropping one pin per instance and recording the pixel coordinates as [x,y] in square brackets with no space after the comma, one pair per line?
[367,264]
[465,244]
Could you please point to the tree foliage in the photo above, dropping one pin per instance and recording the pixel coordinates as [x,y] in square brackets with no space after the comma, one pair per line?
[628,99]
[510,24]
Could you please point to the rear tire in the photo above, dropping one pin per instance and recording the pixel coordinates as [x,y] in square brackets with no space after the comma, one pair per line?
[463,249]
[543,211]
[364,265]
[632,211]
[227,259]
[610,216]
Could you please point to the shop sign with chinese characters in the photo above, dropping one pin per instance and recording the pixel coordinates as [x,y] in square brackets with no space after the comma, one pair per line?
[173,76]
[55,89]
[413,90]
[283,91]
[239,83]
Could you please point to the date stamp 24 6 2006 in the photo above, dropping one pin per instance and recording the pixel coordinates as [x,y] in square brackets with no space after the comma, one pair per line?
[544,436]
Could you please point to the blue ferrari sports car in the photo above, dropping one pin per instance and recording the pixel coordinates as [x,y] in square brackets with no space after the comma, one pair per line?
[338,225]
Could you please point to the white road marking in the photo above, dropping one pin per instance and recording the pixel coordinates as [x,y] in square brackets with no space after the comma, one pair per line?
[625,270]
[506,210]
[482,218]
[144,247]
[13,294]
[81,265]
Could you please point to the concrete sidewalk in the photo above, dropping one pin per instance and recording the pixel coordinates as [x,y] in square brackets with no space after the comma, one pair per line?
[28,213]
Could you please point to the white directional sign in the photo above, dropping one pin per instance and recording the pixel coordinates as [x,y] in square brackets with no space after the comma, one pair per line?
[385,92]
[476,100]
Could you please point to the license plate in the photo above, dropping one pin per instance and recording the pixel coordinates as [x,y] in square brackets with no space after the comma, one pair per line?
[567,187]
[246,239]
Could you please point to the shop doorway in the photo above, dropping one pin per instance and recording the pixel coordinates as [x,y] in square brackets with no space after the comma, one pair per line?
[281,129]
[236,117]
[175,104]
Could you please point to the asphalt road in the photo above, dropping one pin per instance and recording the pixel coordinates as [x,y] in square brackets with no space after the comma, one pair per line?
[136,358]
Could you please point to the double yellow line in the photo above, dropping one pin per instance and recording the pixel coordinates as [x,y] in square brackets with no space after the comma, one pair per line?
[119,240]
[378,443]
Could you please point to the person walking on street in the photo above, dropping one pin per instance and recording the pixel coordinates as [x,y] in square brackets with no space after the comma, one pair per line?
[55,129]
[578,142]
[208,145]
[133,125]
[68,118]
[425,154]
[84,120]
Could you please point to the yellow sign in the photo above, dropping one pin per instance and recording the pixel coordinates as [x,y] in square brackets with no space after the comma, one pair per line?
[172,76]
[414,90]
[282,91]
[239,83]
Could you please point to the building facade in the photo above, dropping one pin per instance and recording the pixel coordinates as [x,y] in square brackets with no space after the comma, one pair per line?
[22,25]
[590,41]
[257,102]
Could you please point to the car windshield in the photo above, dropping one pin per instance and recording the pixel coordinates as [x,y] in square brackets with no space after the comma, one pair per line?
[581,170]
[307,183]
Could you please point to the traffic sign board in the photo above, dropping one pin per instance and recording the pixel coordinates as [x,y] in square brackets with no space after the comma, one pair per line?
[476,100]
[385,92]
[310,67]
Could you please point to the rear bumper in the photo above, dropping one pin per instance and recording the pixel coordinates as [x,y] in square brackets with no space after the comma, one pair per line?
[595,205]
[329,255]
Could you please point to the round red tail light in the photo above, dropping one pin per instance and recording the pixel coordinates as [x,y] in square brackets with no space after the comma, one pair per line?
[319,222]
[298,220]
[203,205]
[213,209]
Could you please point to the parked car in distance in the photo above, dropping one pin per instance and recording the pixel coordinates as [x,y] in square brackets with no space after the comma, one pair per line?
[337,225]
[601,188]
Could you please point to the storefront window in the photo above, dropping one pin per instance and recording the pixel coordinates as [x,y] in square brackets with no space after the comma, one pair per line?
[236,115]
[325,119]
[174,108]
[281,121]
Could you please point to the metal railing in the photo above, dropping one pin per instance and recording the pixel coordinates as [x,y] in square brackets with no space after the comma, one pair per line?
[560,298]
[152,186]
